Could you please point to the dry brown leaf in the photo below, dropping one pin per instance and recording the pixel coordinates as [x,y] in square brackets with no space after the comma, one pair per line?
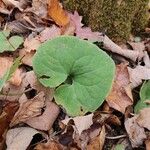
[6,116]
[136,133]
[29,109]
[56,12]
[81,122]
[143,118]
[97,143]
[46,120]
[5,63]
[120,96]
[51,145]
[19,138]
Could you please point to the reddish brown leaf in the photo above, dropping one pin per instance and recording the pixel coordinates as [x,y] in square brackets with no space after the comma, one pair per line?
[56,12]
[6,117]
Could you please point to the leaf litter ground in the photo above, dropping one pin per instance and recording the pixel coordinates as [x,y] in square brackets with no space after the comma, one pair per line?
[29,116]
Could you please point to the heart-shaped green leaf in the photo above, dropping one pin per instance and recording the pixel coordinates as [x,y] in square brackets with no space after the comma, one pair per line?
[144,96]
[10,44]
[83,72]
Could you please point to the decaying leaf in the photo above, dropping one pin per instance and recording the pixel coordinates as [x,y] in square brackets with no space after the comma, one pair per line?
[6,116]
[136,133]
[19,138]
[51,145]
[46,120]
[97,142]
[81,123]
[143,118]
[120,96]
[56,12]
[29,109]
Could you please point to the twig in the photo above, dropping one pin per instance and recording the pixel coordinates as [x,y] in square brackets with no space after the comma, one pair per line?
[115,137]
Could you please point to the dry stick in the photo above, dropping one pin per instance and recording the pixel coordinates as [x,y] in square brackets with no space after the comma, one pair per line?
[111,46]
[115,137]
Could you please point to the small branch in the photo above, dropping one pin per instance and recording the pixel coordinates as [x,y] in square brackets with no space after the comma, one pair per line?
[116,137]
[111,46]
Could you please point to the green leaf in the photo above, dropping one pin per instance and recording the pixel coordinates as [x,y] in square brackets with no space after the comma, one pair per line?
[10,44]
[83,72]
[10,72]
[119,147]
[144,96]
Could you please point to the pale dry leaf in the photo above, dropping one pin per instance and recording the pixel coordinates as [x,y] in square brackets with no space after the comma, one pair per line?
[120,97]
[39,7]
[81,122]
[46,120]
[143,118]
[29,109]
[13,3]
[49,33]
[146,59]
[5,63]
[137,46]
[138,74]
[19,138]
[136,133]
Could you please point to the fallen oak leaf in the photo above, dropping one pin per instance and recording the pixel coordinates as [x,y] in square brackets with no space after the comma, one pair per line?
[136,133]
[120,96]
[19,138]
[29,109]
[46,120]
[56,12]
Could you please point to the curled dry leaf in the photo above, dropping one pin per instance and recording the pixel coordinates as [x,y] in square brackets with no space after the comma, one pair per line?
[19,138]
[29,109]
[120,96]
[5,63]
[46,120]
[81,123]
[136,133]
[56,12]
[143,118]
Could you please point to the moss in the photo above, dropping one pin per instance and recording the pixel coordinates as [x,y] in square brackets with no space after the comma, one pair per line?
[118,17]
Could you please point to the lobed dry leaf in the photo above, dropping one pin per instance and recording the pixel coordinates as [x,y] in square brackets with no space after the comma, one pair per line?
[19,138]
[120,96]
[136,133]
[46,120]
[143,118]
[56,12]
[29,109]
